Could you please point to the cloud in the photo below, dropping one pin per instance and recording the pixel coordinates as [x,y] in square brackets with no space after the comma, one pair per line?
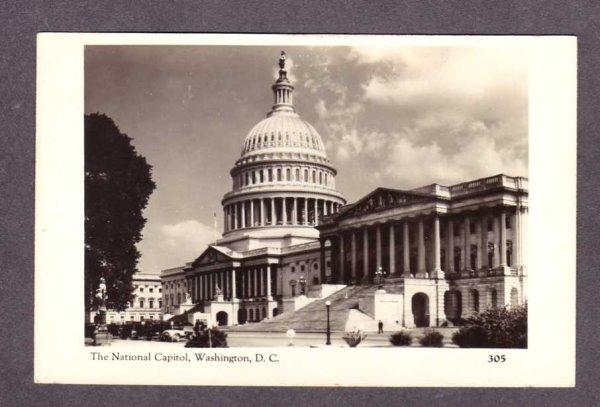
[174,244]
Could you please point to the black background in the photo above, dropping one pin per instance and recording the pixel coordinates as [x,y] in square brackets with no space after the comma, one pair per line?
[20,21]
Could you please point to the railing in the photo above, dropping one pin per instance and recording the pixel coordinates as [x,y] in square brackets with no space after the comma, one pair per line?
[500,180]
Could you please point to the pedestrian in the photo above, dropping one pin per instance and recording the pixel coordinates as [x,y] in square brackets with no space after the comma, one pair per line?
[380,326]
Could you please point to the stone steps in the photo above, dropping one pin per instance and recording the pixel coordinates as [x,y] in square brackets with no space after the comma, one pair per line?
[313,317]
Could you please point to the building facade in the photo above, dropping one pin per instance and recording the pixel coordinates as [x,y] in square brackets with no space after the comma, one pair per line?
[449,251]
[441,253]
[146,305]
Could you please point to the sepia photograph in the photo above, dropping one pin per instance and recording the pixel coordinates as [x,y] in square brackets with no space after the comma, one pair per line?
[310,195]
[382,200]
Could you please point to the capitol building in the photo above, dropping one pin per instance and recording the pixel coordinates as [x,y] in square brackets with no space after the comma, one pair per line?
[429,256]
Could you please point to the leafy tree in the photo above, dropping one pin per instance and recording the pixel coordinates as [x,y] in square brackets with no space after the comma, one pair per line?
[118,184]
[494,328]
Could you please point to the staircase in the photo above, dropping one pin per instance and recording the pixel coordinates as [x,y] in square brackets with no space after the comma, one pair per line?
[344,316]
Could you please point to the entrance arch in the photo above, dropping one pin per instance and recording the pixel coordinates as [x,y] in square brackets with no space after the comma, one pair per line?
[222,318]
[420,309]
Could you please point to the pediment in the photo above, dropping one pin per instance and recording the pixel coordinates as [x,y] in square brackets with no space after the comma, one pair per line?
[384,198]
[215,255]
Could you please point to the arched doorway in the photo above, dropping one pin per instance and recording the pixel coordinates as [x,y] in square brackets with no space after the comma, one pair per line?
[242,316]
[453,305]
[420,309]
[222,318]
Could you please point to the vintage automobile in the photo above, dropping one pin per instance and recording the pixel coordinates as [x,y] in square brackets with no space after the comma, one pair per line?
[175,334]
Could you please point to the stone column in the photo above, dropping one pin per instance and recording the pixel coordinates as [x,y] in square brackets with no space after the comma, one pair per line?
[211,285]
[378,246]
[406,248]
[252,213]
[262,212]
[283,211]
[255,281]
[496,242]
[233,285]
[483,241]
[269,290]
[316,211]
[322,255]
[480,252]
[273,212]
[437,264]
[235,215]
[225,219]
[467,243]
[365,252]
[353,254]
[342,258]
[325,204]
[421,249]
[503,262]
[450,248]
[392,248]
[295,217]
[305,220]
[243,214]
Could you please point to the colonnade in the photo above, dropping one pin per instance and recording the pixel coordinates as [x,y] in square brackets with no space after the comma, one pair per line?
[464,247]
[276,211]
[240,283]
[289,174]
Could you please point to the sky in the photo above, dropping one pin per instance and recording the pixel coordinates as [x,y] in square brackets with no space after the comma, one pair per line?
[398,117]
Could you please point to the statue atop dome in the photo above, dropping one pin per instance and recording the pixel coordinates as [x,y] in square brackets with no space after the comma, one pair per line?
[282,60]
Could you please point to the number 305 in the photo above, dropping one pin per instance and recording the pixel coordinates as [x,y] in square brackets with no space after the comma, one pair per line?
[496,358]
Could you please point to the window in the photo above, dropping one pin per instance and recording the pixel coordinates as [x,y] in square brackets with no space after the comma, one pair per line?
[141,303]
[328,264]
[297,175]
[456,230]
[302,267]
[305,175]
[490,224]
[261,176]
[159,303]
[288,175]
[316,266]
[270,174]
[490,255]
[472,227]
[314,177]
[160,290]
[457,253]
[132,318]
[151,303]
[141,317]
[473,257]
[178,298]
[293,269]
[151,290]
[321,178]
[508,221]
[141,289]
[278,174]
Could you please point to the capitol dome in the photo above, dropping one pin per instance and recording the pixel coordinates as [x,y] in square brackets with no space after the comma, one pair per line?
[283,182]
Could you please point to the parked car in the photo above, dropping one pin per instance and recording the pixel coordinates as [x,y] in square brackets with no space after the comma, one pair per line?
[175,335]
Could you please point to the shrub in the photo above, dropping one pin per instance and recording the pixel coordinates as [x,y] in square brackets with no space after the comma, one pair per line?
[353,338]
[494,328]
[208,338]
[432,339]
[89,330]
[401,338]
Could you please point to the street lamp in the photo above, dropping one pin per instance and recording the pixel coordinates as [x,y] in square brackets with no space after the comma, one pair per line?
[379,277]
[328,306]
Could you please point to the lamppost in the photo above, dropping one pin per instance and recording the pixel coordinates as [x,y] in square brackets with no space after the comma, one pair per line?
[302,282]
[328,306]
[379,277]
